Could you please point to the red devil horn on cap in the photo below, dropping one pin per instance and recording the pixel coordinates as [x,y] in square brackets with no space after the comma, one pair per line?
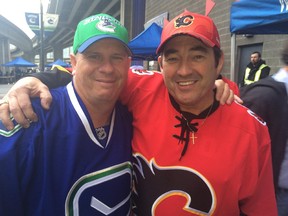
[165,22]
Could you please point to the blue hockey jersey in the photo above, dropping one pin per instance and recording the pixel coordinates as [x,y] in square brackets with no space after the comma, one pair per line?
[57,166]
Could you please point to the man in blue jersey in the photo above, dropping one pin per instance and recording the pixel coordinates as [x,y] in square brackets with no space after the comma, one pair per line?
[76,160]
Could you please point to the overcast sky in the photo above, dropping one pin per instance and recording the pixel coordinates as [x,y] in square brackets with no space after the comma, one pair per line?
[14,11]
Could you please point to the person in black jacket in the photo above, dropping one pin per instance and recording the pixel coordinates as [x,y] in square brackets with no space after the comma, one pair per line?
[257,69]
[268,98]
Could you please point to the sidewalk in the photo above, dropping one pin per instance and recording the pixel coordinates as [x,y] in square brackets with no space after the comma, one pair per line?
[4,89]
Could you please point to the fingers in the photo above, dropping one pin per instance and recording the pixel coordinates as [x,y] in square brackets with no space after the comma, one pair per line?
[224,94]
[230,98]
[222,91]
[21,108]
[219,85]
[20,103]
[45,97]
[5,116]
[238,99]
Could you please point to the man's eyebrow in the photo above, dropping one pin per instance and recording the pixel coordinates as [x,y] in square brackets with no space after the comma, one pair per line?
[196,48]
[199,48]
[169,51]
[90,53]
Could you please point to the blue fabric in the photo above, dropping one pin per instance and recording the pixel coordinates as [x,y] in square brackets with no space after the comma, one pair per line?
[282,202]
[54,166]
[259,17]
[145,44]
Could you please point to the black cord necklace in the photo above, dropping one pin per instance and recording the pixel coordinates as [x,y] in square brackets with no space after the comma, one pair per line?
[193,130]
[188,129]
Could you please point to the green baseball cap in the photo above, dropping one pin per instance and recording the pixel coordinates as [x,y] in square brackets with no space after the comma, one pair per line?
[99,27]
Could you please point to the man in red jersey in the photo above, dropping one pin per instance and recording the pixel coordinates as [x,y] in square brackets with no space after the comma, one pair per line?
[192,156]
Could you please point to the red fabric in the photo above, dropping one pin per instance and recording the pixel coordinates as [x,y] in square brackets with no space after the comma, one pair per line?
[228,166]
[233,86]
[193,24]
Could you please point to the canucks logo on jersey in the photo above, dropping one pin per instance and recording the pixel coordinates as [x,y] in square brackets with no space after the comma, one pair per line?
[6,133]
[88,196]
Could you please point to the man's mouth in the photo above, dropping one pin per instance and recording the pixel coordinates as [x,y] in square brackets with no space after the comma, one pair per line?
[186,83]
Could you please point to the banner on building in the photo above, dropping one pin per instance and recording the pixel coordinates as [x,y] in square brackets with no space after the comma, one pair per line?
[50,22]
[33,21]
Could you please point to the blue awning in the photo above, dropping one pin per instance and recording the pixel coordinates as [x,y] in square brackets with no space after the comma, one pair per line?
[145,44]
[19,62]
[58,62]
[259,17]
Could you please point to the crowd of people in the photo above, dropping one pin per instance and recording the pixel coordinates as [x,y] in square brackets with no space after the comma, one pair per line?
[15,74]
[181,147]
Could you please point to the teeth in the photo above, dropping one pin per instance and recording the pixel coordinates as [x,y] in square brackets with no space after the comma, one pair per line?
[186,83]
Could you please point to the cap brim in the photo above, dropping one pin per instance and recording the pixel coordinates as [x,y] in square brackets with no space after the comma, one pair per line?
[195,35]
[92,40]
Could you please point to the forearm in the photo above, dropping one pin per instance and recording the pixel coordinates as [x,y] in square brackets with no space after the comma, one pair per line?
[53,78]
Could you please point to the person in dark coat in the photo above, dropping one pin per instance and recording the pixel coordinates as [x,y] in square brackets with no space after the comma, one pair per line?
[268,98]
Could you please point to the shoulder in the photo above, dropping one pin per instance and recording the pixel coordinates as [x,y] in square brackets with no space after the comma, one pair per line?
[58,95]
[243,118]
[144,74]
[123,112]
[142,84]
[60,103]
[242,125]
[265,89]
[144,80]
[249,65]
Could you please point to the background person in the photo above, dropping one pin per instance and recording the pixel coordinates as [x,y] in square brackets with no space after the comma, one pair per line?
[268,98]
[76,160]
[257,69]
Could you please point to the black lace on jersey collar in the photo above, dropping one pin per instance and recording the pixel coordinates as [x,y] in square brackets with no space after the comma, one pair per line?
[187,127]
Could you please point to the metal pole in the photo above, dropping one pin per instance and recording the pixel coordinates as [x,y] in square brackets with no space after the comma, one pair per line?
[232,57]
[41,38]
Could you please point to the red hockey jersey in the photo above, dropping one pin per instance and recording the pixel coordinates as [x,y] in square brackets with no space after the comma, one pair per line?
[227,169]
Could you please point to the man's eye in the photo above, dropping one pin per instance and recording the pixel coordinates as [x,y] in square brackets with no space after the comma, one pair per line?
[171,59]
[94,57]
[117,59]
[198,57]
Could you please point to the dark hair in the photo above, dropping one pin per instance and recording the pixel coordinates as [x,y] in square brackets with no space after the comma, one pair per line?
[217,54]
[256,52]
[284,56]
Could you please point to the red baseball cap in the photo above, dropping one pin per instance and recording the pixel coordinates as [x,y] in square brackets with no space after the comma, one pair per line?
[193,24]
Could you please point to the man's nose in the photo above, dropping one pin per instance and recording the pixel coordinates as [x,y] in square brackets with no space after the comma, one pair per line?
[185,68]
[106,65]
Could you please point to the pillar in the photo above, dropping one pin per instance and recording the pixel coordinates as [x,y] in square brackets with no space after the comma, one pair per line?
[4,52]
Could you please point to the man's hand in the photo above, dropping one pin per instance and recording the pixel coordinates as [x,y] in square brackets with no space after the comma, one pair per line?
[19,103]
[224,94]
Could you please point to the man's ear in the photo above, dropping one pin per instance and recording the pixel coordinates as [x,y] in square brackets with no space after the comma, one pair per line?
[160,59]
[220,64]
[73,62]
